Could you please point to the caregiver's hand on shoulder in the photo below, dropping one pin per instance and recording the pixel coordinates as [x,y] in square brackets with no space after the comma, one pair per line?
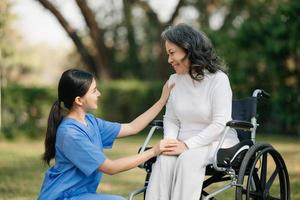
[166,92]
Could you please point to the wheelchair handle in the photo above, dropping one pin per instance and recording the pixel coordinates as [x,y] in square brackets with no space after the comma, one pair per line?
[147,140]
[261,93]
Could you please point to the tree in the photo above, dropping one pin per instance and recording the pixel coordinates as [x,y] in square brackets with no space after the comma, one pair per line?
[100,60]
[272,45]
[95,63]
[259,41]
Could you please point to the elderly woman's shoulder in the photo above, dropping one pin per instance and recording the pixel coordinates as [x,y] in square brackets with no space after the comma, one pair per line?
[220,75]
[173,77]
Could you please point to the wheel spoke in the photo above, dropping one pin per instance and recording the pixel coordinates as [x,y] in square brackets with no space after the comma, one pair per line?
[273,198]
[263,173]
[262,176]
[271,179]
[257,182]
[255,195]
[244,191]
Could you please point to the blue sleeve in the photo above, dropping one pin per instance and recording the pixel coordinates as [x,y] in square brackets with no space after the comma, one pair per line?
[78,148]
[109,132]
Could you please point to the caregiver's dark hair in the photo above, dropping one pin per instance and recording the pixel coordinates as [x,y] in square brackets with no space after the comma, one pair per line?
[73,83]
[198,47]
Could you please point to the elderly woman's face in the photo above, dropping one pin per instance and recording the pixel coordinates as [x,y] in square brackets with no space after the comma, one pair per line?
[176,57]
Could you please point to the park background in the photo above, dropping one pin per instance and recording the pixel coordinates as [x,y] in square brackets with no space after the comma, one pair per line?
[119,41]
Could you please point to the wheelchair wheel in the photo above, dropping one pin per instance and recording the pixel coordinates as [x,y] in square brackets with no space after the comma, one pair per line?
[263,175]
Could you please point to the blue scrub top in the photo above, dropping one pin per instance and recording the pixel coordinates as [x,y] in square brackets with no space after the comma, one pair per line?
[78,155]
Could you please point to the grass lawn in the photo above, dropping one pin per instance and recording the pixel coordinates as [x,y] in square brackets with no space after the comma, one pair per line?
[21,169]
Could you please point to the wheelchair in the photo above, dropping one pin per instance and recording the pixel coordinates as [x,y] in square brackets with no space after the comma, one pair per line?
[256,170]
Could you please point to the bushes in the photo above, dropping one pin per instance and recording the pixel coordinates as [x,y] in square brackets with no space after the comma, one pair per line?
[25,110]
[122,101]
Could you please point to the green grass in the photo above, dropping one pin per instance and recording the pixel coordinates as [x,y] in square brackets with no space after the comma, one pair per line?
[21,170]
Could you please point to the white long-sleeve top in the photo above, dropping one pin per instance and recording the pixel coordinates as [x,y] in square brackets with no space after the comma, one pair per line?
[197,111]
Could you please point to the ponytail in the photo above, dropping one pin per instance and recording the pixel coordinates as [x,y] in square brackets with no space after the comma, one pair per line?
[73,83]
[54,119]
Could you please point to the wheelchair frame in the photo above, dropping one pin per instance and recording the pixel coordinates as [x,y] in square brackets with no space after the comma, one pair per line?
[255,188]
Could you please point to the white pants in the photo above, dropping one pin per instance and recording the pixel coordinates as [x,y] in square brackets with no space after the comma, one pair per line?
[181,177]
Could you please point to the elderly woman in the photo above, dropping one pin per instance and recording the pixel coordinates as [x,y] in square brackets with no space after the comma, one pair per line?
[196,113]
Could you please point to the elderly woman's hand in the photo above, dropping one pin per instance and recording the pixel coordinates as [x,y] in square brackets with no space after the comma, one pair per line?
[176,149]
[165,145]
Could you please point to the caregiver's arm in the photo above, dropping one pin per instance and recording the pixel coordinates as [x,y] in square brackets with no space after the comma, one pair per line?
[144,119]
[123,164]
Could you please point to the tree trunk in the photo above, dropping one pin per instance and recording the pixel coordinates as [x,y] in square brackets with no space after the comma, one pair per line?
[162,64]
[133,52]
[85,55]
[96,35]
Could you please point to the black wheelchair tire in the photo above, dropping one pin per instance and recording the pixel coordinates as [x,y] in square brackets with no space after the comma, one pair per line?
[248,169]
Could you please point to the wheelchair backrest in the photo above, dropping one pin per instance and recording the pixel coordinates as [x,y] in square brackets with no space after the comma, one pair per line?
[244,109]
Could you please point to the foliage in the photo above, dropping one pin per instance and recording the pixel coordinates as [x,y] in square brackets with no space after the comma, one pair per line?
[21,61]
[25,110]
[7,35]
[121,38]
[257,39]
[268,57]
[123,101]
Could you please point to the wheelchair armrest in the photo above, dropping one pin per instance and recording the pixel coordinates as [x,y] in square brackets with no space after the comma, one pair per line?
[158,123]
[238,124]
[146,148]
[148,164]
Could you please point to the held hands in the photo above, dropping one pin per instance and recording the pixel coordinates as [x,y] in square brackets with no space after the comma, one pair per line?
[175,150]
[170,147]
[164,145]
[166,92]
